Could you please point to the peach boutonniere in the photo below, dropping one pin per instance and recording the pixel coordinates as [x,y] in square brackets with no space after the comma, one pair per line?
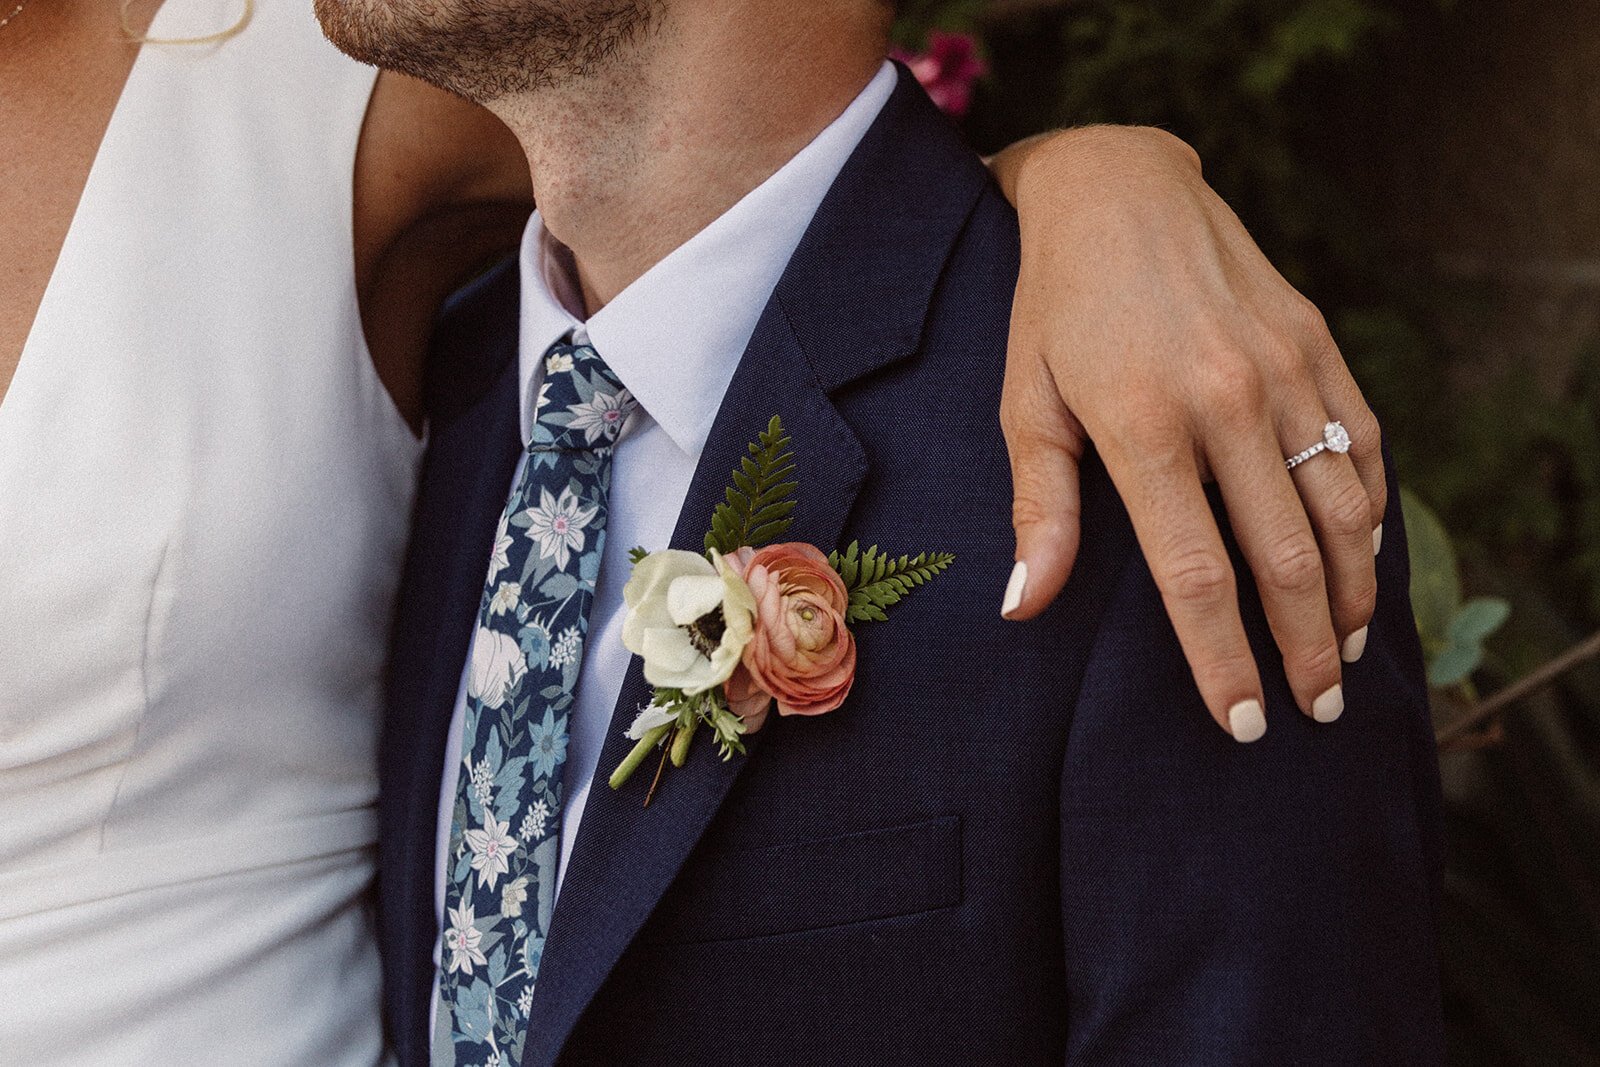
[751,624]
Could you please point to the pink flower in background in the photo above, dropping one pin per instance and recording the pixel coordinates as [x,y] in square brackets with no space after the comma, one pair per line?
[947,70]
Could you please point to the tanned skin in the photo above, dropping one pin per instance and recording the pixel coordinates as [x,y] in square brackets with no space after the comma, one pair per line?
[1137,281]
[441,187]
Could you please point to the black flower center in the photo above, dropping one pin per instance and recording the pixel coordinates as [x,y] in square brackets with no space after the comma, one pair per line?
[705,633]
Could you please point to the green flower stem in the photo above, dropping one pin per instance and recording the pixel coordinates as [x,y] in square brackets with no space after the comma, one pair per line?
[625,769]
[680,743]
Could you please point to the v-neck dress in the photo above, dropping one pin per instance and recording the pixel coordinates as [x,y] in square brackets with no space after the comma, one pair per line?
[204,499]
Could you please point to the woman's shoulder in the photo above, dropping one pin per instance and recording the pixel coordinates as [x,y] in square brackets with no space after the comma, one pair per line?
[423,147]
[441,189]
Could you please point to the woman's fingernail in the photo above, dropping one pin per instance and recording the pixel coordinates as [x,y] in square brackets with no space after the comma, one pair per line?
[1246,722]
[1014,589]
[1329,706]
[1354,645]
[1377,539]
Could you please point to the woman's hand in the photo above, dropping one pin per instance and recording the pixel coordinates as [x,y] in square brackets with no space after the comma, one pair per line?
[1147,321]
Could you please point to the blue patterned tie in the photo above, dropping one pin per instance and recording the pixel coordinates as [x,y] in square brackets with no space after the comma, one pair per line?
[505,835]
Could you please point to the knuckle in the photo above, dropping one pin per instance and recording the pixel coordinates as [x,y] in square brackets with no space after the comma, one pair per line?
[1366,446]
[1356,606]
[1366,437]
[1016,427]
[1232,387]
[1348,511]
[1318,664]
[1294,567]
[1311,324]
[1227,671]
[1033,450]
[1029,510]
[1017,413]
[1197,577]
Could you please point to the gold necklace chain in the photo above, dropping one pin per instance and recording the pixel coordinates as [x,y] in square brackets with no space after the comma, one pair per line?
[14,13]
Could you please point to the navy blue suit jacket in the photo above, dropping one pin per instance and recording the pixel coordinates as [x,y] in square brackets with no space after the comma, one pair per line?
[1014,843]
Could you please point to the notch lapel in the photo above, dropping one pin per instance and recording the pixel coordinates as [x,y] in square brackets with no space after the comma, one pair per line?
[626,855]
[475,441]
[853,300]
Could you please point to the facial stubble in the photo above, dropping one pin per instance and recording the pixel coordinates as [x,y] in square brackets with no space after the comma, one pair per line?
[485,50]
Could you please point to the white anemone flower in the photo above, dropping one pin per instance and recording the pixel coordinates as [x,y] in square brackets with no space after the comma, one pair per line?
[690,619]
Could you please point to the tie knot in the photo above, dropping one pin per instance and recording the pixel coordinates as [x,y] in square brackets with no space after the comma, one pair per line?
[581,406]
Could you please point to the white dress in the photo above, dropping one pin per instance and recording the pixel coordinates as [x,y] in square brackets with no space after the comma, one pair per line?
[204,497]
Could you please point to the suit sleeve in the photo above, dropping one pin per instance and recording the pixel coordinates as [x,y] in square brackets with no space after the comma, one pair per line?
[1272,903]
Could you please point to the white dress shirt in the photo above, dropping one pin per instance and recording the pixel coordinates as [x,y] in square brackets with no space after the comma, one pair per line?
[673,338]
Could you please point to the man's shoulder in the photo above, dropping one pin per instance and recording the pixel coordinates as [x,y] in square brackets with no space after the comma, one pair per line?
[940,469]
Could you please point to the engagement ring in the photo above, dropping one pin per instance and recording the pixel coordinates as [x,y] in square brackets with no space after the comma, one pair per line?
[1335,438]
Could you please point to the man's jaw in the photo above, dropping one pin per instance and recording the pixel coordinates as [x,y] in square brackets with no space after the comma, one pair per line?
[484,50]
[636,157]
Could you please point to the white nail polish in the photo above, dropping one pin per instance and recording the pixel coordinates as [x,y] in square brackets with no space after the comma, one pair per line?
[1377,539]
[1354,645]
[1329,706]
[1014,589]
[1246,722]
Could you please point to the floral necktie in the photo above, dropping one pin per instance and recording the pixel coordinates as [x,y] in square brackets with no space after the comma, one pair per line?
[505,834]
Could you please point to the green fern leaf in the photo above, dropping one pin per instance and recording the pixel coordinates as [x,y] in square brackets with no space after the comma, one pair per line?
[876,581]
[758,504]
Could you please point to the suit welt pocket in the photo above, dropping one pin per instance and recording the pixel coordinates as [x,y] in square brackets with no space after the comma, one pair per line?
[812,885]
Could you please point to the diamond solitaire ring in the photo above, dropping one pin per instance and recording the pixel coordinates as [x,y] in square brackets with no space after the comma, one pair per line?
[1335,438]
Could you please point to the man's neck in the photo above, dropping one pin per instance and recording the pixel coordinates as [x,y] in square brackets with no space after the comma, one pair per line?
[632,160]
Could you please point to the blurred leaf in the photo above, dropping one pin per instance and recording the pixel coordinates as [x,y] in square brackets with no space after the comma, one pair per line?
[1318,30]
[1479,618]
[1435,575]
[1454,665]
[1452,632]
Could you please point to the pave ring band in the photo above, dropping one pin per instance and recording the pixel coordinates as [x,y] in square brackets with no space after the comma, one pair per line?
[1334,439]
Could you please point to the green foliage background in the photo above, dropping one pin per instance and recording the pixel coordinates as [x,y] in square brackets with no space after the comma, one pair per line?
[1268,91]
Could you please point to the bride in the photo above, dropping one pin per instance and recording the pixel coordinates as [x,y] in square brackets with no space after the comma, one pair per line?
[224,246]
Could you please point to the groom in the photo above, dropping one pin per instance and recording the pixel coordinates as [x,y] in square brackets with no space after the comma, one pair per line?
[1012,843]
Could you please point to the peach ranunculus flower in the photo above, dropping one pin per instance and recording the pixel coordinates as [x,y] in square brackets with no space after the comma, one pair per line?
[802,655]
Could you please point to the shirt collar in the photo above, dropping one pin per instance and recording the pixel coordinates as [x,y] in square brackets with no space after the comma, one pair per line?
[675,336]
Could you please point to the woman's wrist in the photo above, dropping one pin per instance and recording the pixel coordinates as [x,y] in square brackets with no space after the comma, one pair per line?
[1091,157]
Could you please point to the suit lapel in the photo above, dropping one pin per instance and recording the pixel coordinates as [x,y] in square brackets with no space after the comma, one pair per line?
[854,299]
[474,445]
[627,855]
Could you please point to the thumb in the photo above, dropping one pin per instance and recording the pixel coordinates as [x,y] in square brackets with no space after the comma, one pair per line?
[1046,443]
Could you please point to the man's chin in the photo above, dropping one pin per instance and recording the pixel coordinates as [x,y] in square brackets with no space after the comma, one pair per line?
[356,29]
[486,49]
[393,37]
